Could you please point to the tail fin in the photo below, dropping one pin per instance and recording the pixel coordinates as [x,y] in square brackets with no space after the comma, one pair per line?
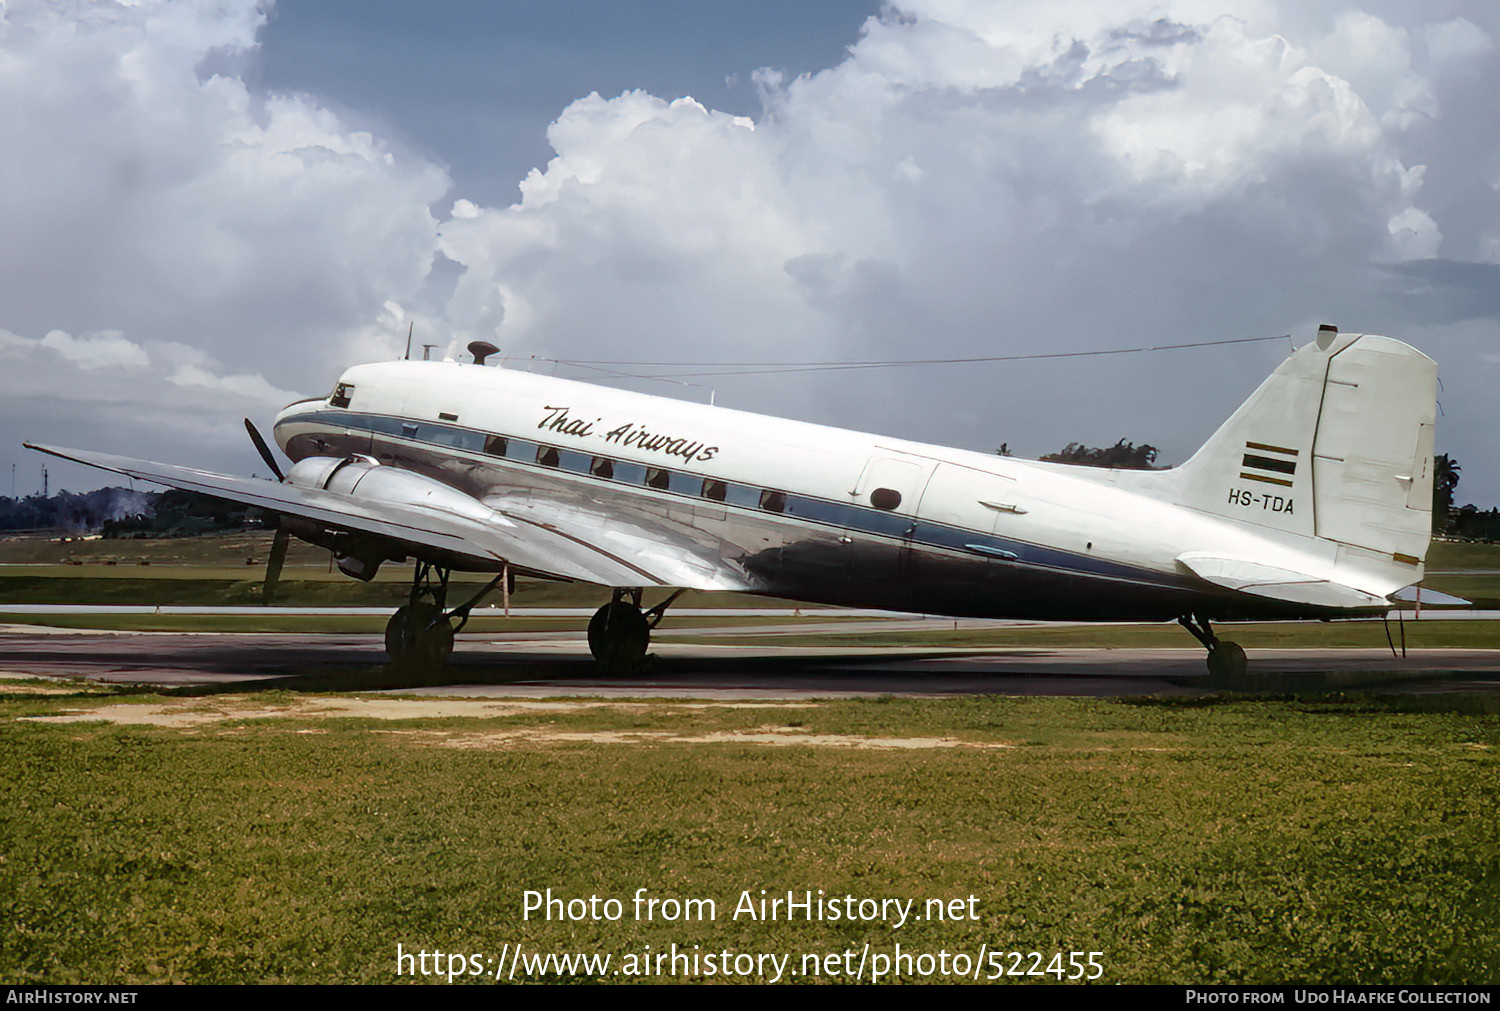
[1336,444]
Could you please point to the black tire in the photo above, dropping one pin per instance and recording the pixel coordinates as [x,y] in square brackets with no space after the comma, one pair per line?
[618,637]
[1227,660]
[435,645]
[395,634]
[409,640]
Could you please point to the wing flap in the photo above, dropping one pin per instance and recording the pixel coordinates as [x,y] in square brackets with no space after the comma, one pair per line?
[665,550]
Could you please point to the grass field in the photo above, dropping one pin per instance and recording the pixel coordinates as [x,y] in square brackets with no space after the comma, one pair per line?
[213,569]
[1219,839]
[231,549]
[297,588]
[279,836]
[1448,555]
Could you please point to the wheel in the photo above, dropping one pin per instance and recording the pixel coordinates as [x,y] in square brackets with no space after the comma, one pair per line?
[412,637]
[618,636]
[395,634]
[435,645]
[1227,659]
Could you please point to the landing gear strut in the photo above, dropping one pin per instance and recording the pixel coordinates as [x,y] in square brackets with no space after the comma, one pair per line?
[1225,659]
[620,631]
[419,636]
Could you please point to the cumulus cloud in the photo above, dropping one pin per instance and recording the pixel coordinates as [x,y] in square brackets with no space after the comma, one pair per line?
[971,179]
[978,179]
[147,196]
[160,400]
[152,202]
[1454,44]
[109,350]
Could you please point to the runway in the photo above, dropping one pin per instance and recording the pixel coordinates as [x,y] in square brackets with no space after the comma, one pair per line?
[558,665]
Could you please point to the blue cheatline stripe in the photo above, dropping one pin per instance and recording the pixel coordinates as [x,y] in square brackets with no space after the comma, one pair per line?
[840,515]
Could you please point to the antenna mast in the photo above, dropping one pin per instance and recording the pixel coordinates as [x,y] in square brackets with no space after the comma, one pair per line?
[409,325]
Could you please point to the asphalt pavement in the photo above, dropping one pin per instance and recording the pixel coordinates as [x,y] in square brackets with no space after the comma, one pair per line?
[554,664]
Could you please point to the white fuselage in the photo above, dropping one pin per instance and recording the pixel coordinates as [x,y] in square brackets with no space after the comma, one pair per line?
[805,511]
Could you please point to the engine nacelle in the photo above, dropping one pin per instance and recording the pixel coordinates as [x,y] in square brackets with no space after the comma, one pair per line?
[315,471]
[362,477]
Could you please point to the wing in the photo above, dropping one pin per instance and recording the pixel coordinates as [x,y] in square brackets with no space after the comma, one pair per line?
[533,534]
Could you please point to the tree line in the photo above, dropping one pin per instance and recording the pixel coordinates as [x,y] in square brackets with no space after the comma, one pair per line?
[1468,522]
[124,512]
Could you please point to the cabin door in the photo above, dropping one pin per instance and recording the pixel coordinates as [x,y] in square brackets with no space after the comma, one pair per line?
[888,492]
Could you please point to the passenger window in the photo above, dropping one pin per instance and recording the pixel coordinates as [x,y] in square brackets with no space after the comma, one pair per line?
[742,495]
[658,478]
[444,436]
[578,463]
[713,490]
[494,445]
[773,501]
[546,456]
[602,466]
[885,498]
[340,396]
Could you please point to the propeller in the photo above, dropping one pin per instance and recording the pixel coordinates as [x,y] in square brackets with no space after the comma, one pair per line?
[263,449]
[274,563]
[282,538]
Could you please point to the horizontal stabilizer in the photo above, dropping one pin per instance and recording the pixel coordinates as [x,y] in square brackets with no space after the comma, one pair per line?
[1409,595]
[1276,583]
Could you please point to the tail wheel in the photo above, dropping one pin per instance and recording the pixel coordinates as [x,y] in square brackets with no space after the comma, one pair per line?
[618,636]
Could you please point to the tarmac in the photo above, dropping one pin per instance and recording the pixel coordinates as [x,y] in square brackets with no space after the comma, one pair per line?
[557,664]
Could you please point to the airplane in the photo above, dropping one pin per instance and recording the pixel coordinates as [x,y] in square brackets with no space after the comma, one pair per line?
[1313,500]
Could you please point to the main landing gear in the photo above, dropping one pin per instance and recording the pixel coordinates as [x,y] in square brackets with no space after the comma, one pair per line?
[1225,659]
[620,631]
[419,636]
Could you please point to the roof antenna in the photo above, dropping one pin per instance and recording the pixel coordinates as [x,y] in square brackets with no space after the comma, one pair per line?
[409,324]
[427,351]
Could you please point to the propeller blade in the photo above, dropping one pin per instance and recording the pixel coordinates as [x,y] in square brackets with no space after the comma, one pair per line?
[274,563]
[263,449]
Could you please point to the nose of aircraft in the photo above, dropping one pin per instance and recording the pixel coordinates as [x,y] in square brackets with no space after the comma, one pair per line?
[281,427]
